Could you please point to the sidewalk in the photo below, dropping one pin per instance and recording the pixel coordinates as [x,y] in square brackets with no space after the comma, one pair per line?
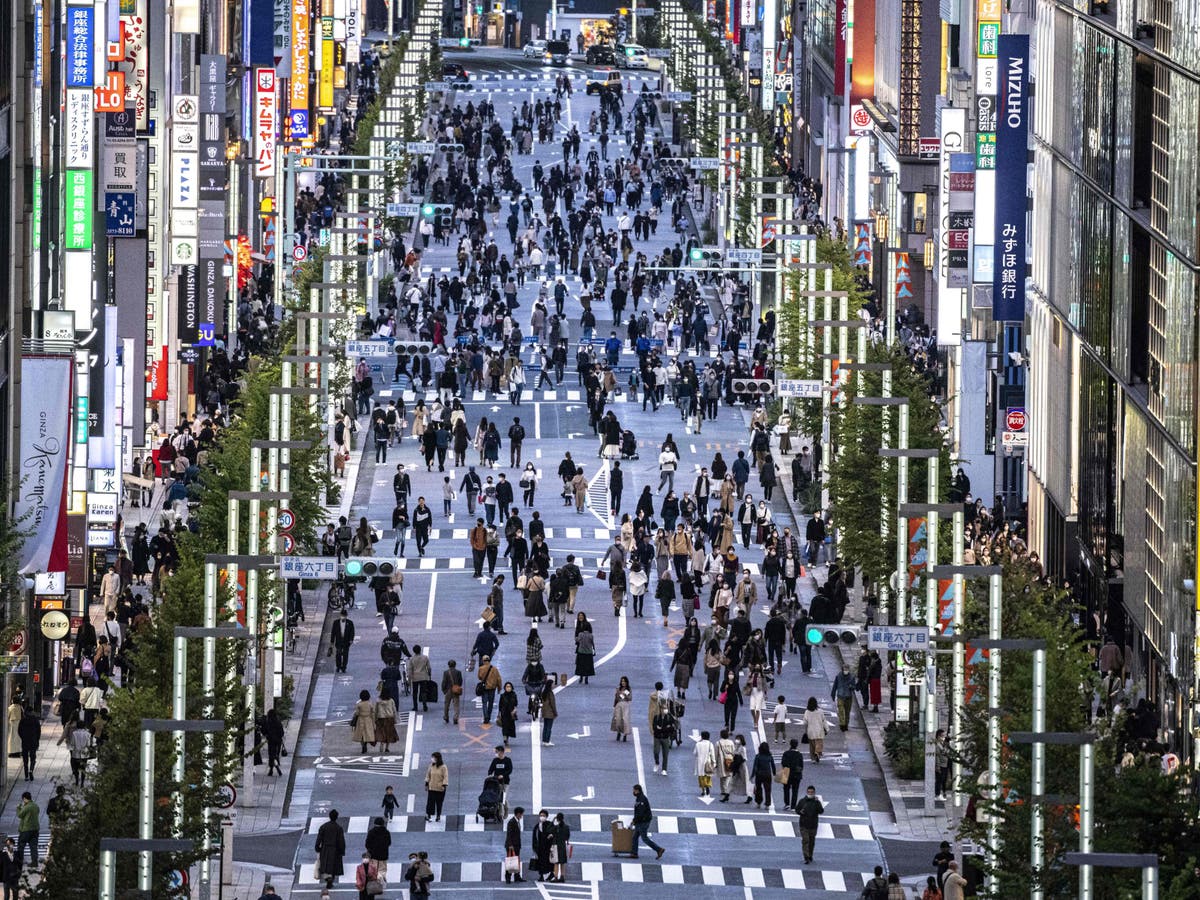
[259,814]
[905,797]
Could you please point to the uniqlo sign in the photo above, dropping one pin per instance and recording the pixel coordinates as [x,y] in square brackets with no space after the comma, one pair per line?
[265,122]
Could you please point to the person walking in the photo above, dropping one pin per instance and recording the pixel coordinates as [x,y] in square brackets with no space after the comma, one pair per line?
[953,884]
[437,779]
[366,878]
[273,734]
[378,844]
[706,763]
[643,815]
[452,688]
[809,809]
[512,846]
[543,840]
[508,712]
[385,721]
[29,730]
[549,711]
[763,772]
[560,851]
[419,676]
[341,637]
[622,697]
[10,869]
[488,678]
[331,849]
[28,826]
[362,724]
[815,729]
[79,746]
[663,725]
[844,686]
[792,763]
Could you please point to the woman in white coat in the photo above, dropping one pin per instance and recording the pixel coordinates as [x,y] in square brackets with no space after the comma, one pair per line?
[706,763]
[815,729]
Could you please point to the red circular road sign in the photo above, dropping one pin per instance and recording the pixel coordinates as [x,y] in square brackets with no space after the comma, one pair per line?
[287,544]
[299,253]
[1015,420]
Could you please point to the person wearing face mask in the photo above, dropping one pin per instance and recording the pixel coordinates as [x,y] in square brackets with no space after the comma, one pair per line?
[366,878]
[541,842]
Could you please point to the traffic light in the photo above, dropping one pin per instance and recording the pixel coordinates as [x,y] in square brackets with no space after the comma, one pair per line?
[828,636]
[704,257]
[439,214]
[368,568]
[753,387]
[465,41]
[412,348]
[450,148]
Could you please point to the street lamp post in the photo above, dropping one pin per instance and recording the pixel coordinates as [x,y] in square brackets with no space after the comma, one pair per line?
[110,847]
[149,727]
[1147,862]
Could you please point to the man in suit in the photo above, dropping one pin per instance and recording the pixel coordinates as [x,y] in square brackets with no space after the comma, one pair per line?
[512,843]
[340,638]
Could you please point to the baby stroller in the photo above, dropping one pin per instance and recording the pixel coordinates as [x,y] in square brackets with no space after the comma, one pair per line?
[493,804]
[629,447]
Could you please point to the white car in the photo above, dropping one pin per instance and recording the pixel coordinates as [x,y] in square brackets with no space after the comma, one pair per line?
[632,56]
[534,49]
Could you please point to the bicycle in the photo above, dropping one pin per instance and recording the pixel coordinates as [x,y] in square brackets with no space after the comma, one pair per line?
[405,683]
[341,595]
[293,632]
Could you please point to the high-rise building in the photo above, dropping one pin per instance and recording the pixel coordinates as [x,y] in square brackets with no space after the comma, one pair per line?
[1112,341]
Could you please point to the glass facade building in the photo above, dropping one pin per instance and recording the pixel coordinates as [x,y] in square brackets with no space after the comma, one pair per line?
[1113,329]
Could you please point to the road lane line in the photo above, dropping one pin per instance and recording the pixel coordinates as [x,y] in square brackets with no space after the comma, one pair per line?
[429,611]
[537,421]
[536,761]
[637,754]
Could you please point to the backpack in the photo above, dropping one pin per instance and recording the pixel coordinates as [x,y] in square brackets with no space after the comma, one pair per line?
[516,433]
[344,535]
[875,889]
[493,539]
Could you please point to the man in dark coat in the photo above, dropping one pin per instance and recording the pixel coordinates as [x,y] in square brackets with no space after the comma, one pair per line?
[331,848]
[378,843]
[341,636]
[512,842]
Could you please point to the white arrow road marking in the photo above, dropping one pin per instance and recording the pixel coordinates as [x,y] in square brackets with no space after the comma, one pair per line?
[587,731]
[590,795]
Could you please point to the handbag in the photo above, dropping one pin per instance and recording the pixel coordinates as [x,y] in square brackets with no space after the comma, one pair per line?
[722,696]
[456,689]
[488,614]
[316,871]
[804,738]
[512,864]
[479,689]
[709,767]
[782,776]
[601,575]
[554,860]
[522,581]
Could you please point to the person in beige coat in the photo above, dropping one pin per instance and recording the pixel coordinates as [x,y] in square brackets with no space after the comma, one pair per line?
[579,487]
[363,723]
[953,884]
[437,779]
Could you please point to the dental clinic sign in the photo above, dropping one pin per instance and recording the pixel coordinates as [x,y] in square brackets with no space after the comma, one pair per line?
[1012,153]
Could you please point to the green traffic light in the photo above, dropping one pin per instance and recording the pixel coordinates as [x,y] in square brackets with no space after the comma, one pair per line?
[696,254]
[464,42]
[427,210]
[353,568]
[814,635]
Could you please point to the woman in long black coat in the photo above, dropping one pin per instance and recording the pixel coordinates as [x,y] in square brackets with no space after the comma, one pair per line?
[508,712]
[331,848]
[585,648]
[543,840]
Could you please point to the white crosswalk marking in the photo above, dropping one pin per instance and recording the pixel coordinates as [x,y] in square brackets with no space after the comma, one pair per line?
[712,875]
[705,825]
[672,874]
[631,872]
[793,879]
[743,827]
[783,829]
[753,878]
[472,871]
[834,881]
[592,871]
[861,833]
[668,825]
[589,822]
